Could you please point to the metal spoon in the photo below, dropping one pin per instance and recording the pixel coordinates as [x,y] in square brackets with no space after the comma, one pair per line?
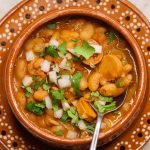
[119,102]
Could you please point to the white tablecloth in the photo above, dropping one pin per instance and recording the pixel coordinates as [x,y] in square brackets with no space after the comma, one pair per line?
[143,5]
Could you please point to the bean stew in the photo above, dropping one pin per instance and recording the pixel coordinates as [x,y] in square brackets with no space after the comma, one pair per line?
[66,65]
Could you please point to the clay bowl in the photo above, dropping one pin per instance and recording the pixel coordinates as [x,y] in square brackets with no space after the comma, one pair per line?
[77,143]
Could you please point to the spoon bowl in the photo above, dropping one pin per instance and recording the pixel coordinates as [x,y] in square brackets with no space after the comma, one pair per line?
[119,102]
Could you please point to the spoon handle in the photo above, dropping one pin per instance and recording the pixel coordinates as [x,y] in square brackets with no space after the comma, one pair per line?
[96,133]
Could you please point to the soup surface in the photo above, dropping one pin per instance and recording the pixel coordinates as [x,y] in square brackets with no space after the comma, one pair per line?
[68,64]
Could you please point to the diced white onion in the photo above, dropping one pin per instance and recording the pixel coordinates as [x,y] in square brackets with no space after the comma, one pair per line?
[45,66]
[54,42]
[68,56]
[82,125]
[63,64]
[53,76]
[48,102]
[27,80]
[30,56]
[64,81]
[65,105]
[56,68]
[101,102]
[74,103]
[98,48]
[60,55]
[71,134]
[58,114]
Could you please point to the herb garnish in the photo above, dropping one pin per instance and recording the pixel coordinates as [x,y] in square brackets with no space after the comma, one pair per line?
[36,108]
[73,115]
[119,83]
[28,92]
[91,128]
[103,108]
[76,59]
[62,48]
[57,95]
[52,26]
[85,50]
[76,78]
[51,50]
[59,132]
[65,117]
[46,87]
[111,37]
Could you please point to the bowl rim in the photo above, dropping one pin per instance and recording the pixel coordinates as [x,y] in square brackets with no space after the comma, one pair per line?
[15,49]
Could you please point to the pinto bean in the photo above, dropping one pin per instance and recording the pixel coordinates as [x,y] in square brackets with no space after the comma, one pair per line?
[21,68]
[36,44]
[87,32]
[40,95]
[127,80]
[100,30]
[37,62]
[84,82]
[67,34]
[93,81]
[127,68]
[110,68]
[111,90]
[50,121]
[46,33]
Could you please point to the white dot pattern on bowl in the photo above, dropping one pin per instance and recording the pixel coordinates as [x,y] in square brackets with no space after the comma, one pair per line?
[28,13]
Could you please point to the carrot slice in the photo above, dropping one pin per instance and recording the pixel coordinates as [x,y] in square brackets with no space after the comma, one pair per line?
[85,110]
[110,68]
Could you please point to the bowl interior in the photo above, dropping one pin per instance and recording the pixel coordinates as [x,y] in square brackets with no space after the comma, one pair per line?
[16,47]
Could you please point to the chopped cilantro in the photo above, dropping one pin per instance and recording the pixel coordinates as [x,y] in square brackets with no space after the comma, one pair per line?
[34,78]
[75,40]
[91,128]
[119,83]
[96,94]
[51,50]
[46,87]
[105,98]
[68,64]
[42,54]
[103,108]
[55,105]
[28,92]
[57,95]
[76,78]
[111,37]
[36,85]
[76,59]
[52,26]
[64,117]
[59,133]
[85,50]
[73,115]
[62,48]
[102,98]
[36,108]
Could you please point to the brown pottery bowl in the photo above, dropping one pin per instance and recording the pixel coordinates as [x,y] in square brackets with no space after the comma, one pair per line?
[116,130]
